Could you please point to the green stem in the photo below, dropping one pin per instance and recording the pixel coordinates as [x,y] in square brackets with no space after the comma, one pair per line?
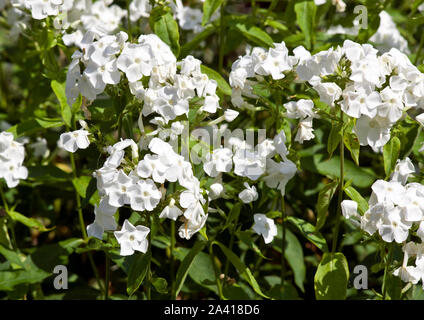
[173,260]
[215,268]
[82,225]
[14,244]
[386,271]
[107,276]
[420,47]
[230,246]
[283,242]
[129,20]
[149,270]
[221,39]
[341,185]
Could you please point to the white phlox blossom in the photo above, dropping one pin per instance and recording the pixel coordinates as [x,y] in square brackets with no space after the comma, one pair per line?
[265,227]
[132,238]
[124,180]
[378,90]
[12,154]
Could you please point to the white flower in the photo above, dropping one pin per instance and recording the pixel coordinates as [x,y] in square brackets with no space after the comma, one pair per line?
[248,164]
[139,8]
[190,227]
[189,18]
[12,172]
[249,194]
[349,209]
[388,191]
[215,191]
[408,274]
[171,211]
[40,9]
[118,190]
[40,149]
[403,170]
[276,62]
[374,132]
[393,227]
[280,144]
[266,148]
[104,219]
[279,173]
[144,195]
[72,141]
[132,238]
[117,152]
[220,160]
[299,109]
[230,115]
[264,226]
[305,130]
[329,92]
[151,166]
[135,61]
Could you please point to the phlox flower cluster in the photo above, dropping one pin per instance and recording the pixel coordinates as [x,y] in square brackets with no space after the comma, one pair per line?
[396,208]
[374,89]
[168,92]
[123,181]
[12,154]
[267,161]
[75,17]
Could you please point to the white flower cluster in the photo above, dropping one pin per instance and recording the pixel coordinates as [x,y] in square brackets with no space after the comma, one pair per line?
[138,188]
[250,69]
[377,89]
[412,274]
[12,154]
[253,163]
[76,17]
[395,206]
[168,92]
[73,17]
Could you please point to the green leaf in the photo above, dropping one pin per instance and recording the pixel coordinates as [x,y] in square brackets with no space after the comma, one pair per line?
[361,177]
[294,255]
[160,284]
[209,8]
[233,215]
[255,34]
[332,277]
[165,27]
[305,18]
[391,152]
[11,278]
[202,271]
[356,196]
[137,272]
[223,86]
[246,238]
[244,271]
[276,25]
[29,222]
[334,138]
[324,199]
[185,266]
[262,90]
[309,232]
[59,91]
[351,142]
[28,127]
[81,184]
